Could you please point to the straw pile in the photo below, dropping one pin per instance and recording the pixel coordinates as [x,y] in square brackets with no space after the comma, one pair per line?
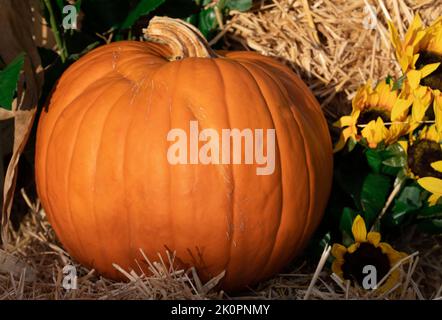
[335,47]
[32,268]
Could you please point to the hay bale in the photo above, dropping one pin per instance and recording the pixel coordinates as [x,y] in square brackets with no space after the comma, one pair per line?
[335,46]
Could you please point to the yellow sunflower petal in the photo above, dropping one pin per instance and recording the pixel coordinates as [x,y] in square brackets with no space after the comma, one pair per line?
[353,247]
[404,62]
[437,106]
[374,238]
[430,133]
[435,37]
[342,122]
[428,69]
[396,131]
[392,280]
[338,251]
[387,97]
[437,166]
[385,247]
[375,132]
[359,229]
[346,134]
[415,25]
[360,98]
[419,109]
[414,78]
[400,109]
[393,255]
[433,199]
[404,145]
[337,268]
[434,185]
[394,36]
[373,99]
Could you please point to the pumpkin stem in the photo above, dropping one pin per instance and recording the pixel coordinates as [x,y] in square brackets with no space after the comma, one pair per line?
[183,39]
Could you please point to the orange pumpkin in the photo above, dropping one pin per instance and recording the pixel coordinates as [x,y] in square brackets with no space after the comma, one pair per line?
[108,190]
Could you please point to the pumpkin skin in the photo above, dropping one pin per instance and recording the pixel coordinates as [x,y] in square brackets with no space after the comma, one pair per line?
[108,190]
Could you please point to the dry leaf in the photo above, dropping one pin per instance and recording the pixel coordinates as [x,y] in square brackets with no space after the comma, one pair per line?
[42,33]
[16,36]
[10,264]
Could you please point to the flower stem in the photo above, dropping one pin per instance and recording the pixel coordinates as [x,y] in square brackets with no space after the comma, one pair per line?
[399,122]
[54,28]
[397,188]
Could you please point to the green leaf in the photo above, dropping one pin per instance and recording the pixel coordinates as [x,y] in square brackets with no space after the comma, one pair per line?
[351,144]
[374,194]
[395,162]
[395,159]
[346,222]
[398,84]
[8,81]
[374,159]
[240,5]
[411,196]
[207,22]
[60,4]
[430,212]
[78,5]
[387,160]
[406,204]
[144,7]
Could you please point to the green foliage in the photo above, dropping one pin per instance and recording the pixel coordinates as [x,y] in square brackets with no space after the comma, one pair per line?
[345,224]
[8,81]
[240,5]
[408,201]
[368,180]
[101,21]
[374,193]
[387,161]
[144,7]
[125,19]
[206,19]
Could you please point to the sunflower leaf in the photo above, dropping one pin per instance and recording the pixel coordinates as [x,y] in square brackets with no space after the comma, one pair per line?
[395,162]
[406,204]
[430,212]
[387,160]
[374,160]
[374,193]
[347,217]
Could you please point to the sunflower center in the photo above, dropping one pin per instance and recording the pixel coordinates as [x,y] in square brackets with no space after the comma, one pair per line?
[366,254]
[370,114]
[433,80]
[421,155]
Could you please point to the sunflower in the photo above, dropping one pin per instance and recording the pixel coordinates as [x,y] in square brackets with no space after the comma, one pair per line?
[422,152]
[437,107]
[367,250]
[420,53]
[432,184]
[371,110]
